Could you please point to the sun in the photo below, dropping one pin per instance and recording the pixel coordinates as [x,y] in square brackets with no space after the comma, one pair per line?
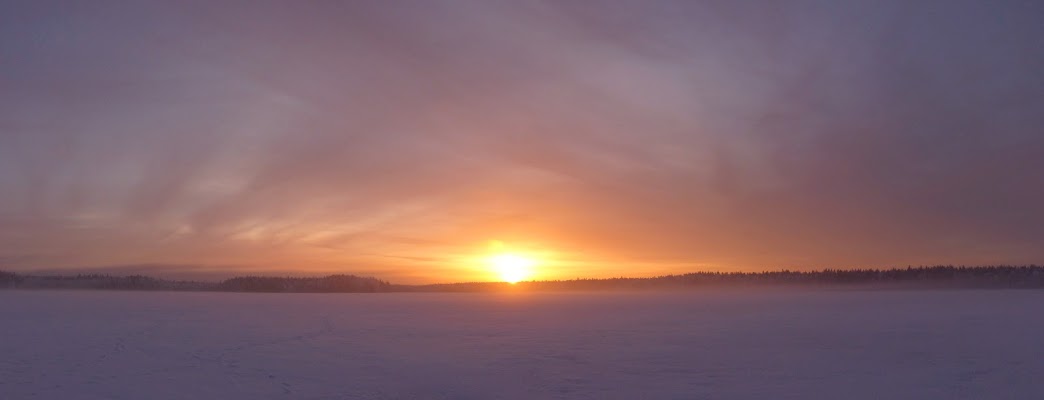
[512,268]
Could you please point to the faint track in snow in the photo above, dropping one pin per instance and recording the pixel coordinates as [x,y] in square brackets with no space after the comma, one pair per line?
[223,357]
[119,345]
[113,349]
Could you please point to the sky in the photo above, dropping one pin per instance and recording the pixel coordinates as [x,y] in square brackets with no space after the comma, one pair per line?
[408,140]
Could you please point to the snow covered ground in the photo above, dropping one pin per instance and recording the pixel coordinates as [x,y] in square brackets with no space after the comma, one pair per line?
[957,344]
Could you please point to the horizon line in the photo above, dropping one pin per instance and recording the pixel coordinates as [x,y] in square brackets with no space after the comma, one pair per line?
[49,273]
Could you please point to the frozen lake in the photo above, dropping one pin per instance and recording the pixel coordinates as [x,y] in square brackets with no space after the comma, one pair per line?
[956,344]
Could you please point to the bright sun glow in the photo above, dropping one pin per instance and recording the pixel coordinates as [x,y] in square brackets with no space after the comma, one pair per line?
[512,268]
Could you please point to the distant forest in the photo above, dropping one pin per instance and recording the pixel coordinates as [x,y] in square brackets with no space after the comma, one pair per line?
[328,284]
[912,277]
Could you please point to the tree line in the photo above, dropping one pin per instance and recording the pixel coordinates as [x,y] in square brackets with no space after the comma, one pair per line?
[942,276]
[328,284]
[1031,276]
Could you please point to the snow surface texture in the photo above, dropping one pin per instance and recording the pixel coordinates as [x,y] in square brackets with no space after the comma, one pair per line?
[958,344]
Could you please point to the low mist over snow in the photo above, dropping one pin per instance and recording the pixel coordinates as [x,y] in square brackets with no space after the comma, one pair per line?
[968,344]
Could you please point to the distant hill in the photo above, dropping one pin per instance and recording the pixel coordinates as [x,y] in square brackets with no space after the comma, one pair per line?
[1031,276]
[329,284]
